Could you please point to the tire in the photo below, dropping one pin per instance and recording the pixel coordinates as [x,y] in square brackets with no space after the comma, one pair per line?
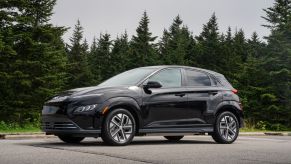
[117,132]
[226,128]
[174,138]
[70,139]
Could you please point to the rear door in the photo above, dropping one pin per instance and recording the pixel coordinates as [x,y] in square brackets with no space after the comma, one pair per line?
[203,95]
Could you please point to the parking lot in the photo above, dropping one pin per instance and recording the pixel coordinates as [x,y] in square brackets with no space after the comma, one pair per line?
[152,149]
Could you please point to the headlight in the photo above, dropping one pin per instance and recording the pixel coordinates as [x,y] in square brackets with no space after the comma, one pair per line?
[85,108]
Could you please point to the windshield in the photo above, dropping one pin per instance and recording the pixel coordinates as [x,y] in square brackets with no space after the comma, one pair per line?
[131,77]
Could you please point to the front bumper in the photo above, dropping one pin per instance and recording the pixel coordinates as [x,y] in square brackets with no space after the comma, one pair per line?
[62,125]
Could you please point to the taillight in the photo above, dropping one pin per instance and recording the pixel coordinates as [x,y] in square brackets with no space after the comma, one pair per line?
[234,91]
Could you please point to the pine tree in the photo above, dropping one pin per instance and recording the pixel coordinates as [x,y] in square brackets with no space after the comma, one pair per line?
[229,61]
[255,46]
[278,61]
[93,63]
[120,54]
[177,45]
[208,46]
[143,50]
[33,58]
[79,74]
[240,45]
[100,58]
[104,56]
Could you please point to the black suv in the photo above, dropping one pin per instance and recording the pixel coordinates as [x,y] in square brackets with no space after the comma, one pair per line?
[168,100]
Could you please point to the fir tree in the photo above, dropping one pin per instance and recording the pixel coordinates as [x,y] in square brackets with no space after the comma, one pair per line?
[143,50]
[78,68]
[33,58]
[208,45]
[177,44]
[278,60]
[120,54]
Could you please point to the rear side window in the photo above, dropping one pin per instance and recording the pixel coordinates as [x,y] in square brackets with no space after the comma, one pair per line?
[168,78]
[196,78]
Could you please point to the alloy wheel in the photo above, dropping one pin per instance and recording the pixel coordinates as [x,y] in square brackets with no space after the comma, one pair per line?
[121,127]
[228,127]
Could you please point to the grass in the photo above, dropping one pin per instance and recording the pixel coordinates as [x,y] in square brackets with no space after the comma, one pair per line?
[20,130]
[16,128]
[253,130]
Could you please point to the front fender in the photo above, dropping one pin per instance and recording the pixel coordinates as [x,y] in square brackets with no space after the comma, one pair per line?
[128,102]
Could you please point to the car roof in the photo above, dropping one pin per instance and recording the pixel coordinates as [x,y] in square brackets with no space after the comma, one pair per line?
[186,67]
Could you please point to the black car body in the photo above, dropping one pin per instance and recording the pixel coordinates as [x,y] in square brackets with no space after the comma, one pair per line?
[159,99]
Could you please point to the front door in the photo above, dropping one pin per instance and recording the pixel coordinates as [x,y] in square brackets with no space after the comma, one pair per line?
[166,107]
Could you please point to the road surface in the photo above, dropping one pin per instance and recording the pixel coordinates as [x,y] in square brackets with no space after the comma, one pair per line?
[152,149]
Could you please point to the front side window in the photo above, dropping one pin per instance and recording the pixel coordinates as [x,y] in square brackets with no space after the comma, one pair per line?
[168,78]
[196,78]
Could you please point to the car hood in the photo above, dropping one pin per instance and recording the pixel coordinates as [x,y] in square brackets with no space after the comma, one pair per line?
[91,90]
[95,91]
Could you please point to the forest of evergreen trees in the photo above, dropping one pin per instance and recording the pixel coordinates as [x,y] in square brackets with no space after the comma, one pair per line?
[35,63]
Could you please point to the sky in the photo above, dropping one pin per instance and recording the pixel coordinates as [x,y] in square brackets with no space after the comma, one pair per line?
[116,16]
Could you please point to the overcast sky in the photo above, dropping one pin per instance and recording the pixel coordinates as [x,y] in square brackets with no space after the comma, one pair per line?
[116,16]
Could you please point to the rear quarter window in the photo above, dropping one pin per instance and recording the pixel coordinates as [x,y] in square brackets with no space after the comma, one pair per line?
[197,78]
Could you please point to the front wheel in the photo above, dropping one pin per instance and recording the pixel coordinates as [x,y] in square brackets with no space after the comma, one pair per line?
[226,128]
[118,128]
[174,138]
[70,139]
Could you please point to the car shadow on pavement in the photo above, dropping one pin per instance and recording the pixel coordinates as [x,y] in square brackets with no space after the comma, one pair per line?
[100,143]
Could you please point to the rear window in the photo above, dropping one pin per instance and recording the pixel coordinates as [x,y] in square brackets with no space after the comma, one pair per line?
[195,78]
[224,82]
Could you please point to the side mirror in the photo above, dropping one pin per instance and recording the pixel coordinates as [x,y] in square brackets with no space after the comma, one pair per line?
[152,84]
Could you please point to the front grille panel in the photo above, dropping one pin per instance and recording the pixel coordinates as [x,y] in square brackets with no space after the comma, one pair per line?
[59,126]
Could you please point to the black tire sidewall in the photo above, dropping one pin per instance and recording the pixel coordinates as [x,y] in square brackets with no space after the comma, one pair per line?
[70,139]
[173,138]
[105,134]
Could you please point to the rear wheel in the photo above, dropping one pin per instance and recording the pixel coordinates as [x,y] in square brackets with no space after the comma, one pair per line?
[70,139]
[118,128]
[174,138]
[226,128]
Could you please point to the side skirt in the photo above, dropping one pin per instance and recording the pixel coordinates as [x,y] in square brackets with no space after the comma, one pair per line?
[197,129]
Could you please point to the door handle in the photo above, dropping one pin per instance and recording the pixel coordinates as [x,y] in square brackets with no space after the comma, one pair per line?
[213,92]
[180,94]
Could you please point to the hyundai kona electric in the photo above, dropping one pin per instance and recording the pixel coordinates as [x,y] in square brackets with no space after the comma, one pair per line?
[172,101]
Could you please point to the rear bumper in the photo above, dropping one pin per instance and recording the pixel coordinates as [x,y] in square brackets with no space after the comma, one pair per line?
[62,125]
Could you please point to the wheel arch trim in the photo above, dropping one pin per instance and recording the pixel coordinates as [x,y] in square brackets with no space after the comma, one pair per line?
[124,102]
[231,106]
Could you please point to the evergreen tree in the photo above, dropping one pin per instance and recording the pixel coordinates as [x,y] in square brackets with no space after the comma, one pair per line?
[143,50]
[240,45]
[32,58]
[93,63]
[120,54]
[278,61]
[256,47]
[177,45]
[230,61]
[79,74]
[209,46]
[104,56]
[100,58]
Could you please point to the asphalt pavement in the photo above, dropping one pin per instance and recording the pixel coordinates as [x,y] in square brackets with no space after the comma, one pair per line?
[150,149]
